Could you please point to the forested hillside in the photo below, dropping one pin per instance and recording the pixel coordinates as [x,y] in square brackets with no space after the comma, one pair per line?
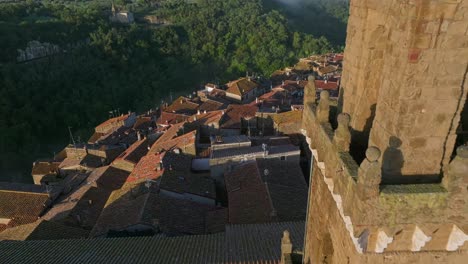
[104,66]
[326,18]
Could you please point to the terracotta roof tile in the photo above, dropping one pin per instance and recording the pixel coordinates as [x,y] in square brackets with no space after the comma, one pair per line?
[181,142]
[182,105]
[167,119]
[149,167]
[241,86]
[45,167]
[260,244]
[143,123]
[207,118]
[266,190]
[43,230]
[136,151]
[211,105]
[235,113]
[171,133]
[326,85]
[136,204]
[22,206]
[177,177]
[248,197]
[113,121]
[216,220]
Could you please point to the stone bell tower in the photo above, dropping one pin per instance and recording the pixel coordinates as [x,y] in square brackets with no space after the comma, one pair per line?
[404,80]
[385,184]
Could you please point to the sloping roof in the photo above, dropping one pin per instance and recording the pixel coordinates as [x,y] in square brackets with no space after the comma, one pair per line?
[137,204]
[124,207]
[326,85]
[328,69]
[235,113]
[182,105]
[241,86]
[260,244]
[179,178]
[216,220]
[287,188]
[171,133]
[45,167]
[171,118]
[85,159]
[21,207]
[265,190]
[180,142]
[143,123]
[95,137]
[211,105]
[96,188]
[112,121]
[122,135]
[135,152]
[207,118]
[248,198]
[147,168]
[43,230]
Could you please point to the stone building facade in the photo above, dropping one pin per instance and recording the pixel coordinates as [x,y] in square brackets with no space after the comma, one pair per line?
[404,197]
[404,71]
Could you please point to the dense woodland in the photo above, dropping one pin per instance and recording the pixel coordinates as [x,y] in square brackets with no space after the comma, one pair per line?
[105,66]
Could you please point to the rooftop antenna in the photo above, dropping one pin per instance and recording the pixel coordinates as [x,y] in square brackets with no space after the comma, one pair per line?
[71,137]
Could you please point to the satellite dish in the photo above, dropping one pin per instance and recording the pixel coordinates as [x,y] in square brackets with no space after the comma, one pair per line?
[266,172]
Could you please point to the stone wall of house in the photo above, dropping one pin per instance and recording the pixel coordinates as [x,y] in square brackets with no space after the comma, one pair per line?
[404,72]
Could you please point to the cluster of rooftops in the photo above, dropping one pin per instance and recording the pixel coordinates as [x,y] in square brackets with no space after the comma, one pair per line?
[226,159]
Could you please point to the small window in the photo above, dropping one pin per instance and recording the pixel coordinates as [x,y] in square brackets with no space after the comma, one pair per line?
[283,157]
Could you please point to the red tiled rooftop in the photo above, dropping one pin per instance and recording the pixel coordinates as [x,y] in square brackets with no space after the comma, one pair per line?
[180,142]
[210,105]
[235,113]
[149,167]
[113,120]
[171,118]
[182,105]
[247,195]
[326,85]
[241,86]
[171,133]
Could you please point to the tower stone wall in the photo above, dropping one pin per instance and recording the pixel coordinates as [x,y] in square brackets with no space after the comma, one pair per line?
[404,82]
[406,199]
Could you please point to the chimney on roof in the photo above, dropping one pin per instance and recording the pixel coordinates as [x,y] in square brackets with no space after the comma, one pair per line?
[326,80]
[286,245]
[204,112]
[159,166]
[198,112]
[139,135]
[282,83]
